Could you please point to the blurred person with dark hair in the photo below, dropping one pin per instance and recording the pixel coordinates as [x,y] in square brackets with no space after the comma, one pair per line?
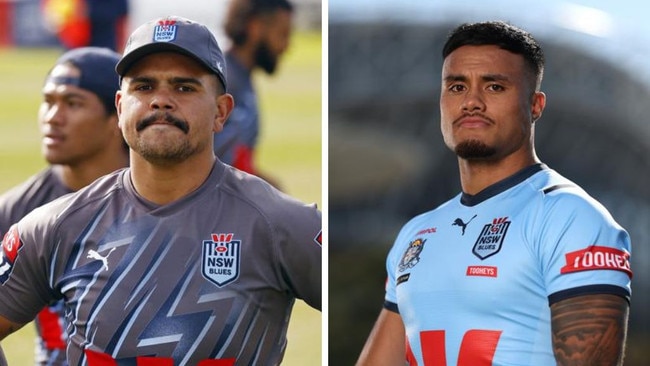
[259,31]
[81,142]
[522,267]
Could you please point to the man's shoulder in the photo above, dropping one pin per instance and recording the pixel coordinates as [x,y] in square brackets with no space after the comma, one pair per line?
[261,196]
[560,199]
[44,178]
[36,191]
[551,186]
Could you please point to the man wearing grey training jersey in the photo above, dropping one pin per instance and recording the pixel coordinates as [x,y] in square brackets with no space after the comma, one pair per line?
[179,259]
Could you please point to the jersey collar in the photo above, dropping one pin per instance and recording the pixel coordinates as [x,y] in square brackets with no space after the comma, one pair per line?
[501,186]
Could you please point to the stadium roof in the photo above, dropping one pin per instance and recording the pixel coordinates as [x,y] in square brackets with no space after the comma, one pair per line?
[608,29]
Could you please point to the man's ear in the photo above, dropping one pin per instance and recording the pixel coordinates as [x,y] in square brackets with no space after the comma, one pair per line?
[537,105]
[225,105]
[118,106]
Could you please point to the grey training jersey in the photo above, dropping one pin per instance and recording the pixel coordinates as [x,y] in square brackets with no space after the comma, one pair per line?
[211,276]
[36,191]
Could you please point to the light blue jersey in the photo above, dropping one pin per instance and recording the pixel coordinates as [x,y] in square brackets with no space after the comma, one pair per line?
[474,278]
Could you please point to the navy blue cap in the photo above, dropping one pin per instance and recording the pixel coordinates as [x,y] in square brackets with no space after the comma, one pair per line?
[97,67]
[174,34]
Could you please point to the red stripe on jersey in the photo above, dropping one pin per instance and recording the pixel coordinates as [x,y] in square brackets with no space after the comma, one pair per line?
[410,358]
[433,347]
[221,362]
[99,359]
[154,361]
[478,347]
[50,329]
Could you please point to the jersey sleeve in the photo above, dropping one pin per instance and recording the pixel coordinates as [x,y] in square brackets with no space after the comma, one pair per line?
[300,253]
[583,250]
[392,261]
[25,287]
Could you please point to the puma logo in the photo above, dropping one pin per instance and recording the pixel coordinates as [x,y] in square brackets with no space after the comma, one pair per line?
[94,255]
[463,225]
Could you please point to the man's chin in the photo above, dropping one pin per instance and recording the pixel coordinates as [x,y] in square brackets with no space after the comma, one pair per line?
[474,150]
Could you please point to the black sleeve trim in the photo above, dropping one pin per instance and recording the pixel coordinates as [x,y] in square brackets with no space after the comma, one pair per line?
[588,290]
[391,306]
[557,186]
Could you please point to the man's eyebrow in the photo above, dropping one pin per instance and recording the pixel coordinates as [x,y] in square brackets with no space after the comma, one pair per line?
[455,77]
[66,95]
[185,80]
[495,77]
[142,79]
[172,80]
[487,77]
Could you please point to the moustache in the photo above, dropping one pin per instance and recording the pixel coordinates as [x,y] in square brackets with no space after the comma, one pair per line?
[148,121]
[480,115]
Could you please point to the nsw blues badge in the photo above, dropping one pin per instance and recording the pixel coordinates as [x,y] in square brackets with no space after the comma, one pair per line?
[220,259]
[165,31]
[491,238]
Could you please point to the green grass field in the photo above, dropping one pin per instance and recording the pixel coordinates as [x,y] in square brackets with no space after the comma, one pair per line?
[290,150]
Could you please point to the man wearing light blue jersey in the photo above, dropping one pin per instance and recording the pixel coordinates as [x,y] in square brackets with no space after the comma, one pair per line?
[523,267]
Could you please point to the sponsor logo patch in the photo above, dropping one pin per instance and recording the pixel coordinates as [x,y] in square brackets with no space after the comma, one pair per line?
[11,244]
[165,31]
[597,257]
[403,278]
[491,238]
[430,230]
[463,225]
[220,259]
[411,256]
[482,271]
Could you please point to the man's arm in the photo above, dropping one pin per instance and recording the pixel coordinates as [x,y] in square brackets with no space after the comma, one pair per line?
[589,330]
[7,327]
[386,345]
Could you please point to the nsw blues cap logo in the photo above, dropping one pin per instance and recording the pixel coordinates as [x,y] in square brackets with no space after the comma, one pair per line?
[165,31]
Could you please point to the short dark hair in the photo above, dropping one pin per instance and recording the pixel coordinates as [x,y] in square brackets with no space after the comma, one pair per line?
[241,12]
[503,35]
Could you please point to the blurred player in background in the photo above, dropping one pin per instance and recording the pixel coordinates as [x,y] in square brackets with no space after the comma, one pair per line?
[81,23]
[260,31]
[81,142]
[522,267]
[178,259]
